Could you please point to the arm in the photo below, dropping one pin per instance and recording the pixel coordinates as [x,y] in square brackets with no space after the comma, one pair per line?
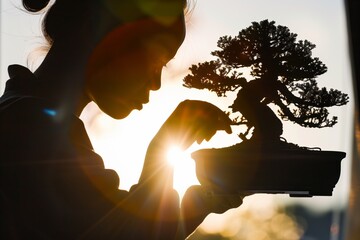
[191,121]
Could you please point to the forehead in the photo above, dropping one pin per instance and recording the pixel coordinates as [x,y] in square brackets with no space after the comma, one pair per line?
[171,36]
[163,11]
[135,23]
[152,34]
[162,16]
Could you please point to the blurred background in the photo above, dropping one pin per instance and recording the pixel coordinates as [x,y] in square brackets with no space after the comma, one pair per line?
[122,144]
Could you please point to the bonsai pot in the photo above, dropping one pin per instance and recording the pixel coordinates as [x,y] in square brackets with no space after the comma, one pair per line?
[257,167]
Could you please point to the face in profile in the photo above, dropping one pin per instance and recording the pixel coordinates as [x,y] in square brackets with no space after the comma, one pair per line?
[126,65]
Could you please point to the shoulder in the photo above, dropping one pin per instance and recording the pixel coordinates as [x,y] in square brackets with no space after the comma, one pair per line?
[19,111]
[28,127]
[20,106]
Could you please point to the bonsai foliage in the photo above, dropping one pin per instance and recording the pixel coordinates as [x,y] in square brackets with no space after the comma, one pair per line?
[283,72]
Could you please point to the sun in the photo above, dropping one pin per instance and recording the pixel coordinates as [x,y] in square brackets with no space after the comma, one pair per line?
[184,168]
[175,155]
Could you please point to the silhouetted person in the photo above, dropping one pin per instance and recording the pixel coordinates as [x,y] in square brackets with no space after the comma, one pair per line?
[52,183]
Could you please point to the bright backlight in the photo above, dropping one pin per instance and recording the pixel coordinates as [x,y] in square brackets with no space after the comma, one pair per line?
[175,155]
[184,169]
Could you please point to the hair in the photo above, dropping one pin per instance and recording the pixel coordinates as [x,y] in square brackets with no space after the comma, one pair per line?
[35,6]
[53,26]
[60,14]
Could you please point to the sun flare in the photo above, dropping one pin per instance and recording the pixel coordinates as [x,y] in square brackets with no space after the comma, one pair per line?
[184,168]
[175,155]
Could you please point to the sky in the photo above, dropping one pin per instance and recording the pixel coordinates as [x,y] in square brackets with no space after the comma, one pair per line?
[319,21]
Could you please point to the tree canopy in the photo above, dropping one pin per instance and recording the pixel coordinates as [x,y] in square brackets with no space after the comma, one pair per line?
[282,69]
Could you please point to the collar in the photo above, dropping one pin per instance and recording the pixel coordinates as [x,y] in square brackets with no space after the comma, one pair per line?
[21,84]
[21,79]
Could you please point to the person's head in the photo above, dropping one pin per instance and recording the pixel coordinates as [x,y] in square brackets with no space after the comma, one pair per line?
[131,41]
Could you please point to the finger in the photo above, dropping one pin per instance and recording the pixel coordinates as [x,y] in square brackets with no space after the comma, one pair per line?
[219,122]
[193,133]
[222,203]
[205,132]
[224,122]
[221,119]
[210,134]
[225,126]
[199,141]
[198,121]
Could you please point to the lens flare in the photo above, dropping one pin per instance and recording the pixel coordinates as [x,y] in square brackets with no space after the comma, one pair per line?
[184,168]
[175,155]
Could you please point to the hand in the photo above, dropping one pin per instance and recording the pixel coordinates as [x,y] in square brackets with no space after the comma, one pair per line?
[192,121]
[199,201]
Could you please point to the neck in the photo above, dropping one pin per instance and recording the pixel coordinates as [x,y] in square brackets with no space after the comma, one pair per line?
[61,77]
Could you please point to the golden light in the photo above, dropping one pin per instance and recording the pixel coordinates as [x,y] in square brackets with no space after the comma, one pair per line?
[175,155]
[184,168]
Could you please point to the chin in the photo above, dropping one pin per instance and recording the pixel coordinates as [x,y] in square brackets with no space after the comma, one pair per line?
[118,114]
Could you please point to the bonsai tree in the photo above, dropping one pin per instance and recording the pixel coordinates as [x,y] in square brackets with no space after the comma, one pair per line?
[283,73]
